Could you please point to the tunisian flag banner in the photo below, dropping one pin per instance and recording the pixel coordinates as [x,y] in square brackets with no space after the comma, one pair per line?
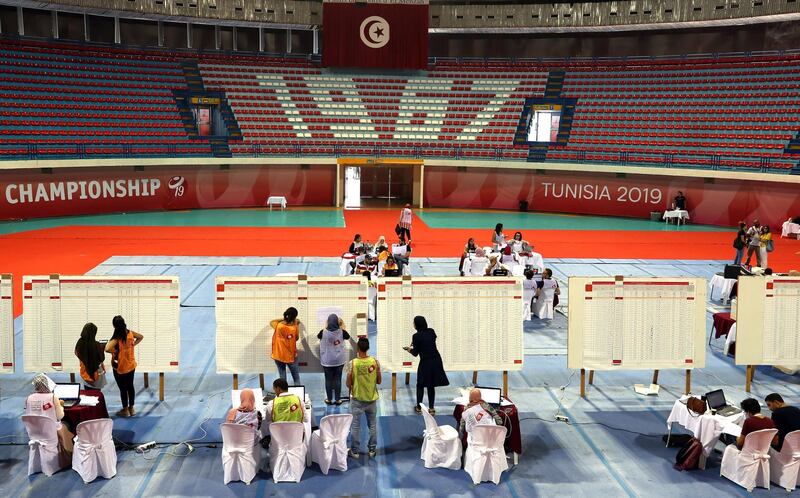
[371,34]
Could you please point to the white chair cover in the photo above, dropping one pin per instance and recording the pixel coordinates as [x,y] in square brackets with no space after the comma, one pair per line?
[329,442]
[241,452]
[345,268]
[535,260]
[478,266]
[485,458]
[750,466]
[287,451]
[43,444]
[783,465]
[528,292]
[441,446]
[94,453]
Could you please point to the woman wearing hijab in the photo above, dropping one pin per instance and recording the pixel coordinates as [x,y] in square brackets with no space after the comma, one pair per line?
[333,356]
[284,343]
[123,360]
[45,403]
[91,354]
[246,413]
[430,371]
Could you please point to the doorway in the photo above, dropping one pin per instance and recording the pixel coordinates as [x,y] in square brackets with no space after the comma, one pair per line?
[383,185]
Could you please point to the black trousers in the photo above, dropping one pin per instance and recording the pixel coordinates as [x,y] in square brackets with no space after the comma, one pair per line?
[333,382]
[431,395]
[126,391]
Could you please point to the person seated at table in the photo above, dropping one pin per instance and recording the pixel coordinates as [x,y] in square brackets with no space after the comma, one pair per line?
[45,403]
[508,257]
[389,265]
[477,412]
[680,201]
[368,264]
[381,242]
[535,261]
[786,417]
[91,355]
[498,239]
[518,244]
[469,250]
[357,246]
[246,413]
[285,407]
[754,421]
[401,259]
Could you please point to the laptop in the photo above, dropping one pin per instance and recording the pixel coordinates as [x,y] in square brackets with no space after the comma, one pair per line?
[392,273]
[299,391]
[69,393]
[719,405]
[491,395]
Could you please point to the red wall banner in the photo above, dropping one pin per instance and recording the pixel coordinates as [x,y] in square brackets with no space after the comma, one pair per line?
[384,35]
[718,202]
[32,194]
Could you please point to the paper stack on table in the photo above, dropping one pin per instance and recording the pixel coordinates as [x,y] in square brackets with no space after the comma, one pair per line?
[89,400]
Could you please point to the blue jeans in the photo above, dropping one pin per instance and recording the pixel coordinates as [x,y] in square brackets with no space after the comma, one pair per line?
[370,409]
[292,368]
[739,255]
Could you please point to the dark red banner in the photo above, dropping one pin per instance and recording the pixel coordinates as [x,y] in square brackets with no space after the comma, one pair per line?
[32,194]
[372,35]
[713,202]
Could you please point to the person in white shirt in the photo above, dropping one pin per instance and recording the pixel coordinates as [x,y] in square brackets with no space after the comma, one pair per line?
[404,224]
[477,412]
[498,239]
[45,403]
[546,295]
[518,243]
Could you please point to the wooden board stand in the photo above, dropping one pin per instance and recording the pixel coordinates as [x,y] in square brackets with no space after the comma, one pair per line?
[749,373]
[161,386]
[687,386]
[235,381]
[146,380]
[394,386]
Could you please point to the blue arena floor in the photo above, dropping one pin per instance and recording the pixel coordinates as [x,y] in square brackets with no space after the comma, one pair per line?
[612,447]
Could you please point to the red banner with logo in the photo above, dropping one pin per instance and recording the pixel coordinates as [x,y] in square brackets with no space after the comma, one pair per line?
[32,194]
[713,202]
[383,35]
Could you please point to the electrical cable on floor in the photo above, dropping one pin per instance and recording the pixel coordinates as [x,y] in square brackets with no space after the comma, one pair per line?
[603,424]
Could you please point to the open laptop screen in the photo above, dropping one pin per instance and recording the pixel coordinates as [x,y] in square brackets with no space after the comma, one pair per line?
[490,395]
[716,399]
[67,391]
[300,391]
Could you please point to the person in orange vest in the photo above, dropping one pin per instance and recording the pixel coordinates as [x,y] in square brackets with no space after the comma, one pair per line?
[123,360]
[284,343]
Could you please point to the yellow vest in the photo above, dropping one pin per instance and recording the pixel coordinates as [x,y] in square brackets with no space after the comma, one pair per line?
[365,378]
[287,409]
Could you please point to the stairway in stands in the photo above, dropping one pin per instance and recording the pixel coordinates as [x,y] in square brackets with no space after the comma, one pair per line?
[793,147]
[197,90]
[552,95]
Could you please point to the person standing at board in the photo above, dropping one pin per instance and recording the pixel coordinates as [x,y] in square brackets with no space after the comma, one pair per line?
[333,356]
[430,371]
[362,379]
[91,355]
[498,239]
[123,361]
[284,343]
[680,201]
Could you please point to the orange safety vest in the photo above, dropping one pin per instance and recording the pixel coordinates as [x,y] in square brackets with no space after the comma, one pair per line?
[126,359]
[284,345]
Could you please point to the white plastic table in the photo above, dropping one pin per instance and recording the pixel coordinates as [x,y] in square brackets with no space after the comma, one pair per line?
[706,427]
[680,214]
[720,288]
[276,200]
[790,228]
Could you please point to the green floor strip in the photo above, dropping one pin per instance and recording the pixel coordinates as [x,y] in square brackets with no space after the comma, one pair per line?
[331,218]
[543,221]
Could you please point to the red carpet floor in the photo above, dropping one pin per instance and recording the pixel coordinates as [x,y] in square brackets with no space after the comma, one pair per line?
[78,249]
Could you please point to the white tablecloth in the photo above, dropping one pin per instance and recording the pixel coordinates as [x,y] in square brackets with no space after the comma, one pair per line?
[789,228]
[276,200]
[707,428]
[680,214]
[720,288]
